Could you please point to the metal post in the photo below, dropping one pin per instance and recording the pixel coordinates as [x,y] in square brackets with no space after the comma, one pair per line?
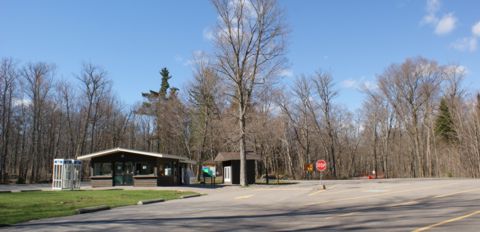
[321,177]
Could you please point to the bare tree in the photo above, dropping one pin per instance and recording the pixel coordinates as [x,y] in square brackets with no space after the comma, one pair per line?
[38,78]
[409,88]
[8,78]
[94,87]
[325,89]
[250,43]
[204,94]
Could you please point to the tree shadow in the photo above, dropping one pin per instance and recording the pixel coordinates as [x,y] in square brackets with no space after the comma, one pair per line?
[378,217]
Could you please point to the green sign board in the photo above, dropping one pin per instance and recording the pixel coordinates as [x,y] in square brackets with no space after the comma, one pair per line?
[208,171]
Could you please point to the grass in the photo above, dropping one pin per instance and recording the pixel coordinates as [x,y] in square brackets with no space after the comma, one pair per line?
[25,206]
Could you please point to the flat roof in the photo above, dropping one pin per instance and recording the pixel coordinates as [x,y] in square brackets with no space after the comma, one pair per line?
[226,156]
[153,154]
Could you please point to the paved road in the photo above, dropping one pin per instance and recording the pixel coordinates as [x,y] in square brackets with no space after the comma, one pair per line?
[363,205]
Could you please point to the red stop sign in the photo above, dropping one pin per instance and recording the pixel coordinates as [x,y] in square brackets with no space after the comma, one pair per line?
[321,165]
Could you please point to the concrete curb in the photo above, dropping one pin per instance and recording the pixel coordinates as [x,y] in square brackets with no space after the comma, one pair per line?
[145,202]
[5,191]
[92,209]
[190,196]
[30,190]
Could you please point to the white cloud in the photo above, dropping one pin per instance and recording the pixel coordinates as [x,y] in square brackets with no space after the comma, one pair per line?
[476,29]
[446,24]
[361,84]
[349,83]
[468,44]
[286,73]
[432,7]
[198,57]
[21,102]
[369,85]
[208,34]
[443,25]
[457,69]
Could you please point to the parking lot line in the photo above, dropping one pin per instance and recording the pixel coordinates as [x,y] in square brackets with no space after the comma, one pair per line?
[455,193]
[281,189]
[447,221]
[341,215]
[403,204]
[243,197]
[374,195]
[317,192]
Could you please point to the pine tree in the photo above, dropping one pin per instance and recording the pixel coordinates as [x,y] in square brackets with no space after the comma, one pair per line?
[164,87]
[444,123]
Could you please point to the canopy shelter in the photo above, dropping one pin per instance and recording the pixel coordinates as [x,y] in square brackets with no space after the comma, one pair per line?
[230,162]
[123,167]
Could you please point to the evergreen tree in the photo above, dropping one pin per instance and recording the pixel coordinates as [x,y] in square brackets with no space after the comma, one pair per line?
[444,123]
[164,87]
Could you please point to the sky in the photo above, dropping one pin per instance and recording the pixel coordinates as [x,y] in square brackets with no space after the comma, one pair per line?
[133,40]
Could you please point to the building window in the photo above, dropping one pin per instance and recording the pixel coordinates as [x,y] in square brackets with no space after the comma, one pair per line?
[102,169]
[168,169]
[143,168]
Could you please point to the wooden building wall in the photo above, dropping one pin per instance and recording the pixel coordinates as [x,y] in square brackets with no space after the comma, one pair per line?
[236,170]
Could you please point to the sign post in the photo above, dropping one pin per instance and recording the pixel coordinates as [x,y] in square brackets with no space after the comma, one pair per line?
[321,166]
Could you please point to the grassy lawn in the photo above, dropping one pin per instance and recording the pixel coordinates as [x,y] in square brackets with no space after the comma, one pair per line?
[25,206]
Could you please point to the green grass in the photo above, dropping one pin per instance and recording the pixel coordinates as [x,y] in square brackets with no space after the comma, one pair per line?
[25,206]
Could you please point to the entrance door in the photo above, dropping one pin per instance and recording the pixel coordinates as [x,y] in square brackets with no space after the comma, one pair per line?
[227,174]
[123,173]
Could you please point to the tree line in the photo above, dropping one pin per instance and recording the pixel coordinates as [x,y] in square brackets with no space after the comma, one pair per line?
[417,120]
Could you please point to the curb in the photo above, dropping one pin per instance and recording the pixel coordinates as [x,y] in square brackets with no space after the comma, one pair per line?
[30,190]
[145,202]
[5,191]
[92,209]
[190,196]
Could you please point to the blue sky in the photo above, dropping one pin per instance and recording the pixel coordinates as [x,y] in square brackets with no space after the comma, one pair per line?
[133,40]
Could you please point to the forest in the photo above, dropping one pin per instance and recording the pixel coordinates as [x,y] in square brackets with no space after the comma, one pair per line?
[417,120]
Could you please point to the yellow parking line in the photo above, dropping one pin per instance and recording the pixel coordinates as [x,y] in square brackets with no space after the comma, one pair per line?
[447,221]
[243,197]
[281,189]
[316,192]
[323,190]
[341,215]
[404,203]
[347,214]
[455,193]
[374,195]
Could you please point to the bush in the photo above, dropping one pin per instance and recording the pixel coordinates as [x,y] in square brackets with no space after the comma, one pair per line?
[20,180]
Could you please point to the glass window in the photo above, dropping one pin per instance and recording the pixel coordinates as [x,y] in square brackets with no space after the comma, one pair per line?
[168,169]
[102,169]
[143,168]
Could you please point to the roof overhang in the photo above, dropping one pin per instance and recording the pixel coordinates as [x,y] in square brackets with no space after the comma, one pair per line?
[152,154]
[228,156]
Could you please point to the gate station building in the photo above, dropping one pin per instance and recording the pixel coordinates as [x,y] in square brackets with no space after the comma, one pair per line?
[125,167]
[231,166]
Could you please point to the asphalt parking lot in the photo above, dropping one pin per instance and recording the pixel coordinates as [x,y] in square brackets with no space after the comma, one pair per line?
[354,205]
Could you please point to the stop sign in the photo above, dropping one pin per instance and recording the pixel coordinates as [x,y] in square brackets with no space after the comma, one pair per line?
[321,165]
